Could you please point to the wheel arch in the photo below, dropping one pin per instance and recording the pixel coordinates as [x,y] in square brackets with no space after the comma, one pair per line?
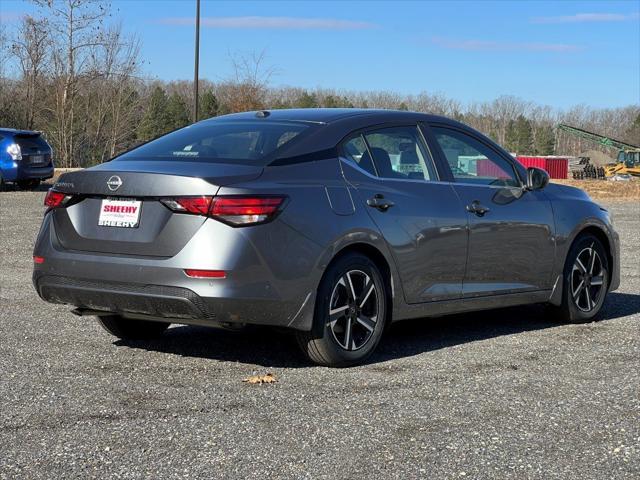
[601,235]
[376,256]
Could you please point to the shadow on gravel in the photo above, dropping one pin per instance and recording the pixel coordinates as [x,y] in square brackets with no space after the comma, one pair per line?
[620,305]
[273,348]
[43,187]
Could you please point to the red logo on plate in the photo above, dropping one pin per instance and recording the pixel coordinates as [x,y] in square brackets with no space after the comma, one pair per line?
[120,209]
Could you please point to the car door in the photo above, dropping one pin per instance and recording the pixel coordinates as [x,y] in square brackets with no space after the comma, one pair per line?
[421,219]
[511,229]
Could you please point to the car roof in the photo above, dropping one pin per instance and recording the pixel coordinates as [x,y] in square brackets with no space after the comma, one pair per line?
[328,126]
[327,115]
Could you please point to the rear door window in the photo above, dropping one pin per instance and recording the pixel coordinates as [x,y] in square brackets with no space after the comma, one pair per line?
[251,143]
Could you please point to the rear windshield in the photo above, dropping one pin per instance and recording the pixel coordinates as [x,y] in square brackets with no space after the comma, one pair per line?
[31,143]
[249,143]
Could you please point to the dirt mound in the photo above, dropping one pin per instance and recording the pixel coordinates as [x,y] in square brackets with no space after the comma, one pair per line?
[598,158]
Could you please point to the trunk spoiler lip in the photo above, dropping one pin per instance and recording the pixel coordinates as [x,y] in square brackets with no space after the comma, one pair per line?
[93,181]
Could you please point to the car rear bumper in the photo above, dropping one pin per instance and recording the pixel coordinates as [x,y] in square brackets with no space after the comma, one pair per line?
[175,304]
[255,291]
[24,171]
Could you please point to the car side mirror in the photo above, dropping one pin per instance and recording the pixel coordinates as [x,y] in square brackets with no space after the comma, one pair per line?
[537,178]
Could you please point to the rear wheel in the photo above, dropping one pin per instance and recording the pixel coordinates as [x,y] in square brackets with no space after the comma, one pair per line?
[350,313]
[586,281]
[128,329]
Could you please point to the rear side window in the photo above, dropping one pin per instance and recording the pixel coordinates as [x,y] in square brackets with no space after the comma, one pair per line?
[473,162]
[355,149]
[249,143]
[399,153]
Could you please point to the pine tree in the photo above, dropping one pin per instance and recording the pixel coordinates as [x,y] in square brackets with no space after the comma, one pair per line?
[155,120]
[177,112]
[545,141]
[519,135]
[209,106]
[511,137]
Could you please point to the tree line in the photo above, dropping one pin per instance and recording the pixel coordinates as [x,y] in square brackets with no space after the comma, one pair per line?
[72,72]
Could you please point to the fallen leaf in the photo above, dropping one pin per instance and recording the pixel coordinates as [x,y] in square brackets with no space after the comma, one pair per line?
[268,378]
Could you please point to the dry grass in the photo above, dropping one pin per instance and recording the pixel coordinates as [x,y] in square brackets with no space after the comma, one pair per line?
[607,190]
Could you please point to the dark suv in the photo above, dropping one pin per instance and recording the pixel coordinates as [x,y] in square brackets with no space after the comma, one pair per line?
[25,158]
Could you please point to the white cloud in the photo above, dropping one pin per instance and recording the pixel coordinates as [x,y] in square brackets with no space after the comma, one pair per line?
[588,17]
[287,23]
[487,45]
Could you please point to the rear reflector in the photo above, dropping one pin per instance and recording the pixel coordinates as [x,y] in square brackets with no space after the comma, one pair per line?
[38,260]
[55,199]
[236,210]
[205,273]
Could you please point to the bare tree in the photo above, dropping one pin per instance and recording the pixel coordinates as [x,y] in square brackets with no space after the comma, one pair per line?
[112,100]
[30,47]
[247,88]
[75,29]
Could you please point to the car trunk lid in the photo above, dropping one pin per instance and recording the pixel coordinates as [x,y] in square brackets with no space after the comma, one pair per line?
[159,231]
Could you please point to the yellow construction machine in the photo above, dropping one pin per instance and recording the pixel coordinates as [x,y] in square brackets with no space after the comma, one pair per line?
[628,161]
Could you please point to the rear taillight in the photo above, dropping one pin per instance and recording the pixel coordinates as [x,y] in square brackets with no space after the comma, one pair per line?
[14,152]
[235,210]
[195,205]
[245,210]
[55,199]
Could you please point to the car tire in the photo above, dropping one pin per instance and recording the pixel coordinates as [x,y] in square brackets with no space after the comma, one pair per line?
[350,313]
[585,281]
[129,329]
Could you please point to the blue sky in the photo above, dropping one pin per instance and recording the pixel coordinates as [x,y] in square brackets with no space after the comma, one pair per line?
[557,53]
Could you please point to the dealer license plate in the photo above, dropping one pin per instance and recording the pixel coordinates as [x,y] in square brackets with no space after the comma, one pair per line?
[120,213]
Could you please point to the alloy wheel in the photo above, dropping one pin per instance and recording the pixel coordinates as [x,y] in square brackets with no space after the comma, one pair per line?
[353,310]
[588,277]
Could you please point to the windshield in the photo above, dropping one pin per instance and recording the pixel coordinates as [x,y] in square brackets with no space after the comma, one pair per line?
[248,143]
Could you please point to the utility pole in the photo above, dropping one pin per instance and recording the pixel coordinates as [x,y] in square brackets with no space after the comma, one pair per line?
[197,62]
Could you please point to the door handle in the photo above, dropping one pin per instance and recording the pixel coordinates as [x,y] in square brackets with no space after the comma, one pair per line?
[378,201]
[477,208]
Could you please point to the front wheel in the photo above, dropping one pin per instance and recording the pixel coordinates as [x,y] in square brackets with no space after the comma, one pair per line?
[129,329]
[586,281]
[350,313]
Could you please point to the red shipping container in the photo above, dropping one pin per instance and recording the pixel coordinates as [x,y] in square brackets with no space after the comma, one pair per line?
[538,162]
[486,168]
[555,167]
[558,167]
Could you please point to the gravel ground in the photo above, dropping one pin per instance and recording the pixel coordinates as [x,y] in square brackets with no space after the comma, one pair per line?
[499,394]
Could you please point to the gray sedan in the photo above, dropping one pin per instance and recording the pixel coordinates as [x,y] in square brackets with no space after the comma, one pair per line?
[330,222]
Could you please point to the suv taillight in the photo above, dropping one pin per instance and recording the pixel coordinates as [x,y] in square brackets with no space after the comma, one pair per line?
[234,210]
